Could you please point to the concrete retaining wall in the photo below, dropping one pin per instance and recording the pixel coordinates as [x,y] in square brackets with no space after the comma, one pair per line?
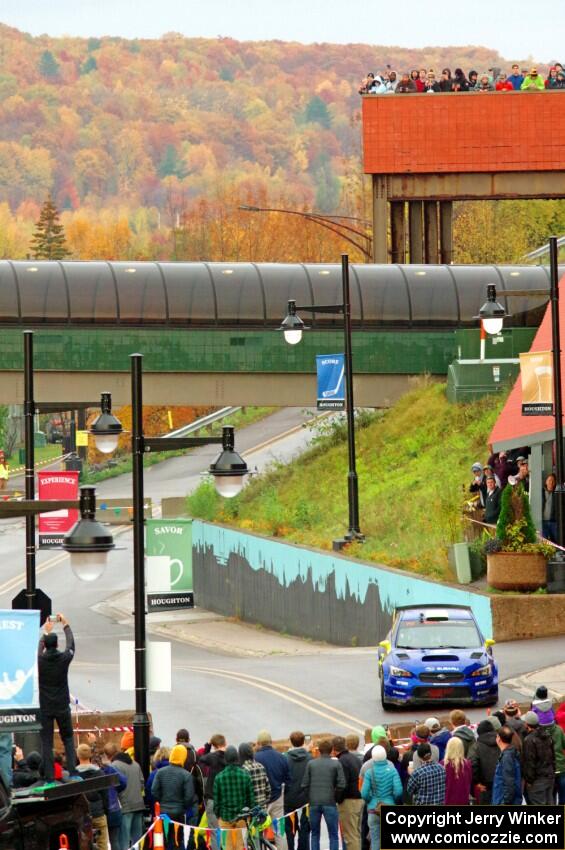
[310,593]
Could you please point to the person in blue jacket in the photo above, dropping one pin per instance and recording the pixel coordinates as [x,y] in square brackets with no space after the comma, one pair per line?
[381,785]
[507,783]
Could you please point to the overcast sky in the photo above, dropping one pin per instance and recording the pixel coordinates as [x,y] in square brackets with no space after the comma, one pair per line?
[517,28]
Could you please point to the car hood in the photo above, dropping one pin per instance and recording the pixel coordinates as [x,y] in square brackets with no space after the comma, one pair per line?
[440,659]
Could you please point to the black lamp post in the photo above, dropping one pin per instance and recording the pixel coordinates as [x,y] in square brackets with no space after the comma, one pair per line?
[292,327]
[32,596]
[229,471]
[492,315]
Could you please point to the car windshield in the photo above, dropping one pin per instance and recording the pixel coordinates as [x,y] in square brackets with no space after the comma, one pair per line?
[452,634]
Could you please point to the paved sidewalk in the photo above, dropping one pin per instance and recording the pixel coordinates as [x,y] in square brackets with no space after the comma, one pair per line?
[552,677]
[225,635]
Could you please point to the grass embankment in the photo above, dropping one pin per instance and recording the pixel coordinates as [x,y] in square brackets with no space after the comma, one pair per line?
[413,463]
[122,464]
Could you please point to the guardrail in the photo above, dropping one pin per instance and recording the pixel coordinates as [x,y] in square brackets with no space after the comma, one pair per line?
[203,422]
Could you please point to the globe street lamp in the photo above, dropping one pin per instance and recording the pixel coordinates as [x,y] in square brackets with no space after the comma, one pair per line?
[106,429]
[292,327]
[492,314]
[229,471]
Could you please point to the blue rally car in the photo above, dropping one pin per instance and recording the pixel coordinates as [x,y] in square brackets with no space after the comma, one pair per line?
[436,654]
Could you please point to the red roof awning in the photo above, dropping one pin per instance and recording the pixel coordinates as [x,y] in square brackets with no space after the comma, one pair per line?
[511,428]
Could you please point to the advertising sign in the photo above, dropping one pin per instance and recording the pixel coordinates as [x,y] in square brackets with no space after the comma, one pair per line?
[19,689]
[169,564]
[158,666]
[536,369]
[54,525]
[330,369]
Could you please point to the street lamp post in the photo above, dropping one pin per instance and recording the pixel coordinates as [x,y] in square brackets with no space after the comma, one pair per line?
[32,596]
[492,315]
[292,327]
[229,471]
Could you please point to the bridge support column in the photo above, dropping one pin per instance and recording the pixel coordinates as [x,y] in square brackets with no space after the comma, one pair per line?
[446,231]
[398,232]
[431,232]
[416,231]
[380,219]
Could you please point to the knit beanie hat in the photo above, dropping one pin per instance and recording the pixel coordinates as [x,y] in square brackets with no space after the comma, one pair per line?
[178,755]
[378,732]
[541,692]
[127,741]
[231,755]
[378,753]
[494,722]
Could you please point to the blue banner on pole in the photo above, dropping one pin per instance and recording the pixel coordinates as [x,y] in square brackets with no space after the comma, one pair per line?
[330,369]
[19,688]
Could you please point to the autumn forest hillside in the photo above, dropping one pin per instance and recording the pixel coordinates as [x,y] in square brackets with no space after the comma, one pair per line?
[148,147]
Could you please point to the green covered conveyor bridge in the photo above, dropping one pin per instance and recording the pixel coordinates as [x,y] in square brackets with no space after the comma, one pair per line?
[208,330]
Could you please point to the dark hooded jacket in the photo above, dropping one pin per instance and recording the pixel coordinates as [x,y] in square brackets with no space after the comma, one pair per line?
[53,671]
[467,736]
[294,795]
[538,757]
[28,771]
[483,755]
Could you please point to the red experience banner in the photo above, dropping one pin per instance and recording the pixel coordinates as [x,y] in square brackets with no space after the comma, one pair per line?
[54,525]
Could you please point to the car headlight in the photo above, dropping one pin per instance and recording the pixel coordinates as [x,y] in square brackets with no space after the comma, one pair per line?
[400,673]
[482,671]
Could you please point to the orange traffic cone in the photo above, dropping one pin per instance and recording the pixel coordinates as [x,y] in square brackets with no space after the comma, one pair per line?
[158,833]
[63,842]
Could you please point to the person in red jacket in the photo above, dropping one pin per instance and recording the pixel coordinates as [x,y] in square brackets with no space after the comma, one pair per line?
[503,83]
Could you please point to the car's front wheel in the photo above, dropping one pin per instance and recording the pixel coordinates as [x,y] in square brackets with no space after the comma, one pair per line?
[384,702]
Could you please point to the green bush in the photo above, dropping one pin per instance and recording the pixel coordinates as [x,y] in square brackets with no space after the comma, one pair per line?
[204,502]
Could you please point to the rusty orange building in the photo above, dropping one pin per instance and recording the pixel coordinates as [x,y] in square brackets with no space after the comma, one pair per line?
[425,151]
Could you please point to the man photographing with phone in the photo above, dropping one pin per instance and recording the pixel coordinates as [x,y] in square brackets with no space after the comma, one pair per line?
[54,697]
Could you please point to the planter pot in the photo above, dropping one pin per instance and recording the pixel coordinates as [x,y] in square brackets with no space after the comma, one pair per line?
[516,571]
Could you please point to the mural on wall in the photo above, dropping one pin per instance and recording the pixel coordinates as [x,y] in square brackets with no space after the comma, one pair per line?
[309,593]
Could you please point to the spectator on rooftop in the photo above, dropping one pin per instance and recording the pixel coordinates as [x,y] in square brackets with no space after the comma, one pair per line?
[431,84]
[484,84]
[516,78]
[421,81]
[405,85]
[473,80]
[460,82]
[549,524]
[368,84]
[446,82]
[533,81]
[551,81]
[503,83]
[414,76]
[560,81]
[392,80]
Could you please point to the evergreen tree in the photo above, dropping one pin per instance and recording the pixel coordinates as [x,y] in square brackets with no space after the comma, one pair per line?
[48,241]
[88,65]
[317,112]
[171,165]
[48,65]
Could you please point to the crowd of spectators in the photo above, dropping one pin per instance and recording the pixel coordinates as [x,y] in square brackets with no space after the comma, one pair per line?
[507,758]
[501,469]
[495,79]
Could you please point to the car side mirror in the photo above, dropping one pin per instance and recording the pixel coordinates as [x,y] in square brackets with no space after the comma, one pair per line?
[489,643]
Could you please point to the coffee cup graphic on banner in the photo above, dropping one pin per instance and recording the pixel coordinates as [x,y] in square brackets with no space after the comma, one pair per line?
[162,573]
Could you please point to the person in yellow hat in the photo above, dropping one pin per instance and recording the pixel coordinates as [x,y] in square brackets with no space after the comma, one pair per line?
[533,82]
